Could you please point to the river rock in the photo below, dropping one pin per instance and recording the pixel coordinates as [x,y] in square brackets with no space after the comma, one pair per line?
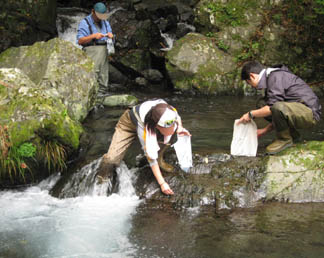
[32,116]
[59,69]
[227,182]
[120,100]
[196,63]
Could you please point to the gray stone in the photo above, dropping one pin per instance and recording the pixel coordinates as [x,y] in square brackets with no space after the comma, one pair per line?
[59,69]
[196,63]
[120,100]
[153,75]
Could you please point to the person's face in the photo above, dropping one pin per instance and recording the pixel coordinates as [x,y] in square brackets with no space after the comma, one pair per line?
[166,131]
[254,80]
[94,16]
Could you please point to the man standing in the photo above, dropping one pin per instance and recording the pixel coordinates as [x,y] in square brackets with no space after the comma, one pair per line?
[93,32]
[290,103]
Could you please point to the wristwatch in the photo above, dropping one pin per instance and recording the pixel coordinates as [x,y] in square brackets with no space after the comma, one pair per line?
[250,115]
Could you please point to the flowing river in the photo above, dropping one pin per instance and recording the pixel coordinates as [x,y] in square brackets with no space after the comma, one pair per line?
[35,224]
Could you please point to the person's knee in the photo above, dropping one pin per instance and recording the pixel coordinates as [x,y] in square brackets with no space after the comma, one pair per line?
[278,107]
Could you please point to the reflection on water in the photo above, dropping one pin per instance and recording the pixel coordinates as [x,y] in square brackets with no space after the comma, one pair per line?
[34,224]
[209,120]
[273,230]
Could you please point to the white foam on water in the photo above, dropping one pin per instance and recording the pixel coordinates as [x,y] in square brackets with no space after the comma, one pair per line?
[35,224]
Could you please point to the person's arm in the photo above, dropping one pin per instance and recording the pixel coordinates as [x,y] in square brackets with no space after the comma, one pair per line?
[261,112]
[165,188]
[265,130]
[87,39]
[84,36]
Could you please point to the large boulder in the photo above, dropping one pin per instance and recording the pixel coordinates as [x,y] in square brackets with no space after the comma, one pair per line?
[59,69]
[35,127]
[196,63]
[297,176]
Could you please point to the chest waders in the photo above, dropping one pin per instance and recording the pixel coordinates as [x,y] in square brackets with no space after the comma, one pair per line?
[97,51]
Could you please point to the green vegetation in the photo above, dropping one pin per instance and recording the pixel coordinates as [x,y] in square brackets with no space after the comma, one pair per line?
[302,22]
[12,159]
[222,45]
[230,13]
[309,154]
[53,155]
[15,161]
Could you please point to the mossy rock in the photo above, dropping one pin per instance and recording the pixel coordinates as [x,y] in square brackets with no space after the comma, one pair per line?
[31,116]
[196,63]
[59,69]
[120,100]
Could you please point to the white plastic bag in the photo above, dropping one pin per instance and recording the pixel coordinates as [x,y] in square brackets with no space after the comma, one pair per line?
[183,150]
[110,46]
[245,139]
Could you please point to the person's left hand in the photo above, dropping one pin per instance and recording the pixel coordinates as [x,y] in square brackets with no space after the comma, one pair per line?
[182,131]
[244,119]
[110,35]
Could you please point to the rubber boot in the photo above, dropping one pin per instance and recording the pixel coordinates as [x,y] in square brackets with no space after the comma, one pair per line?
[283,141]
[163,165]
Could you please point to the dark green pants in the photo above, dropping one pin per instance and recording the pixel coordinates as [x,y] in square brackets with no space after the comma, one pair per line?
[294,115]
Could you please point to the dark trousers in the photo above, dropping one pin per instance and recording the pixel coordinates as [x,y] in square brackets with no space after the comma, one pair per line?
[291,115]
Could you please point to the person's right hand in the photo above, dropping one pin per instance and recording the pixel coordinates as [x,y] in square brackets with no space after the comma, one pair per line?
[165,188]
[98,35]
[244,119]
[261,132]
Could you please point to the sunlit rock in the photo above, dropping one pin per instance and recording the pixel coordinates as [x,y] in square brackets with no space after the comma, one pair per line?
[59,69]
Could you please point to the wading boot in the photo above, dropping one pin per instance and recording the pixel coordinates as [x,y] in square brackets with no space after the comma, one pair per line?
[163,165]
[283,141]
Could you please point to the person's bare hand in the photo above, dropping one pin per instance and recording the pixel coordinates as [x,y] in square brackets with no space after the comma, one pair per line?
[166,189]
[182,131]
[110,35]
[244,119]
[98,35]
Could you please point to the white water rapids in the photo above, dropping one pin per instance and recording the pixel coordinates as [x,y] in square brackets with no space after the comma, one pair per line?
[35,224]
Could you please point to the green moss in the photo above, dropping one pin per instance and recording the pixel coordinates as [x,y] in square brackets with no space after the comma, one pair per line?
[309,155]
[231,13]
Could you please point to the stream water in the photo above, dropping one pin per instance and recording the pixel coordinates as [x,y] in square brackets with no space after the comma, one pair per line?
[35,224]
